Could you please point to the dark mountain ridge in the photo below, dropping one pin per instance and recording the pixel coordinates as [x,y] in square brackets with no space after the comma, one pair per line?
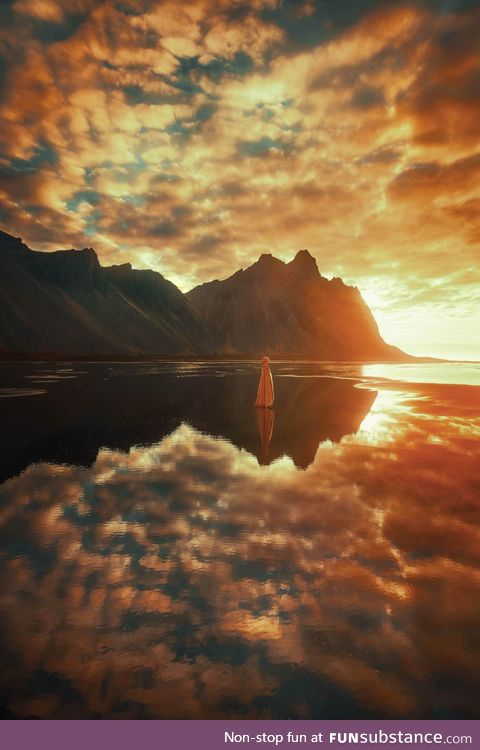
[65,303]
[290,309]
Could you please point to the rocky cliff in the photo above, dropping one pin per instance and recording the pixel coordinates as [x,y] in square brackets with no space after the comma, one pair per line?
[290,309]
[65,302]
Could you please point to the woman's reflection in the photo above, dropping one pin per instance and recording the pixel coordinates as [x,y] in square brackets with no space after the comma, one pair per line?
[265,419]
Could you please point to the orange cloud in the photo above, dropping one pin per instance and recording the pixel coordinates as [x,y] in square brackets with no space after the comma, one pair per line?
[193,136]
[46,10]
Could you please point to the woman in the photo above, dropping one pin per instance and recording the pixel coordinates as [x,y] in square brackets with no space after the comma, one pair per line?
[265,386]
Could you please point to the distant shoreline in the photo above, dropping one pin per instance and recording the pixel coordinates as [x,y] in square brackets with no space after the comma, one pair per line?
[8,356]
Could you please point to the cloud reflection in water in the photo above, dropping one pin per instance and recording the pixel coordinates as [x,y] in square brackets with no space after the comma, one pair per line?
[184,579]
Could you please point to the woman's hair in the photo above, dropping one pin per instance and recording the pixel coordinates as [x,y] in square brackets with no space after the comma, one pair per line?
[265,360]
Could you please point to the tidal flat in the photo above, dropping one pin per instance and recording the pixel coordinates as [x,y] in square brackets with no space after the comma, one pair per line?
[169,551]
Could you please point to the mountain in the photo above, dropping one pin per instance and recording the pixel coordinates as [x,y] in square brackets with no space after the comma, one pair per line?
[65,302]
[290,309]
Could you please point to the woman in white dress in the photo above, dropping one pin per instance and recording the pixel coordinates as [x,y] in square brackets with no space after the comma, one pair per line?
[265,394]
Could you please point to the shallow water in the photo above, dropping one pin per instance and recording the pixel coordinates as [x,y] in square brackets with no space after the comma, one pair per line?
[453,373]
[169,551]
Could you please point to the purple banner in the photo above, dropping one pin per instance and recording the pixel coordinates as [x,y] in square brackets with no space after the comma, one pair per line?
[223,735]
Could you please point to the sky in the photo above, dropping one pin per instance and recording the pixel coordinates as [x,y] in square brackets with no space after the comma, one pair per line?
[191,137]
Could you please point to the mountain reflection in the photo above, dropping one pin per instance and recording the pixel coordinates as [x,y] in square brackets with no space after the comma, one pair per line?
[123,405]
[183,579]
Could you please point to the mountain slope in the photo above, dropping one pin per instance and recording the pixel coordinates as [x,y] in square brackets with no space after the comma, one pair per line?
[289,309]
[66,302]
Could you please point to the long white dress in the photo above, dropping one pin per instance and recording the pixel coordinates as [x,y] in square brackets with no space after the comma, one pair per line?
[265,393]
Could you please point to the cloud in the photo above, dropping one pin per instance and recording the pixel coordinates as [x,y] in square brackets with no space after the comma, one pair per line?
[157,107]
[46,10]
[434,180]
[443,100]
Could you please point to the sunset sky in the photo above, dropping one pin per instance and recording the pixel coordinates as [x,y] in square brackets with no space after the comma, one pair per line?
[189,137]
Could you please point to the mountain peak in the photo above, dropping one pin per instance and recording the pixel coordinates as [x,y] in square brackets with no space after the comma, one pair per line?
[266,265]
[11,245]
[305,263]
[89,255]
[74,264]
[268,259]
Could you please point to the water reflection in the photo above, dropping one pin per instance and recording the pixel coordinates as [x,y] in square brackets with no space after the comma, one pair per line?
[123,405]
[265,420]
[183,579]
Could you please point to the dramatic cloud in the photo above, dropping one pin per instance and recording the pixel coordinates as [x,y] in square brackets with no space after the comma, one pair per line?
[189,137]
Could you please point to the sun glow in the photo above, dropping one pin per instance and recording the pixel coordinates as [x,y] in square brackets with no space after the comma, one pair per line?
[381,425]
